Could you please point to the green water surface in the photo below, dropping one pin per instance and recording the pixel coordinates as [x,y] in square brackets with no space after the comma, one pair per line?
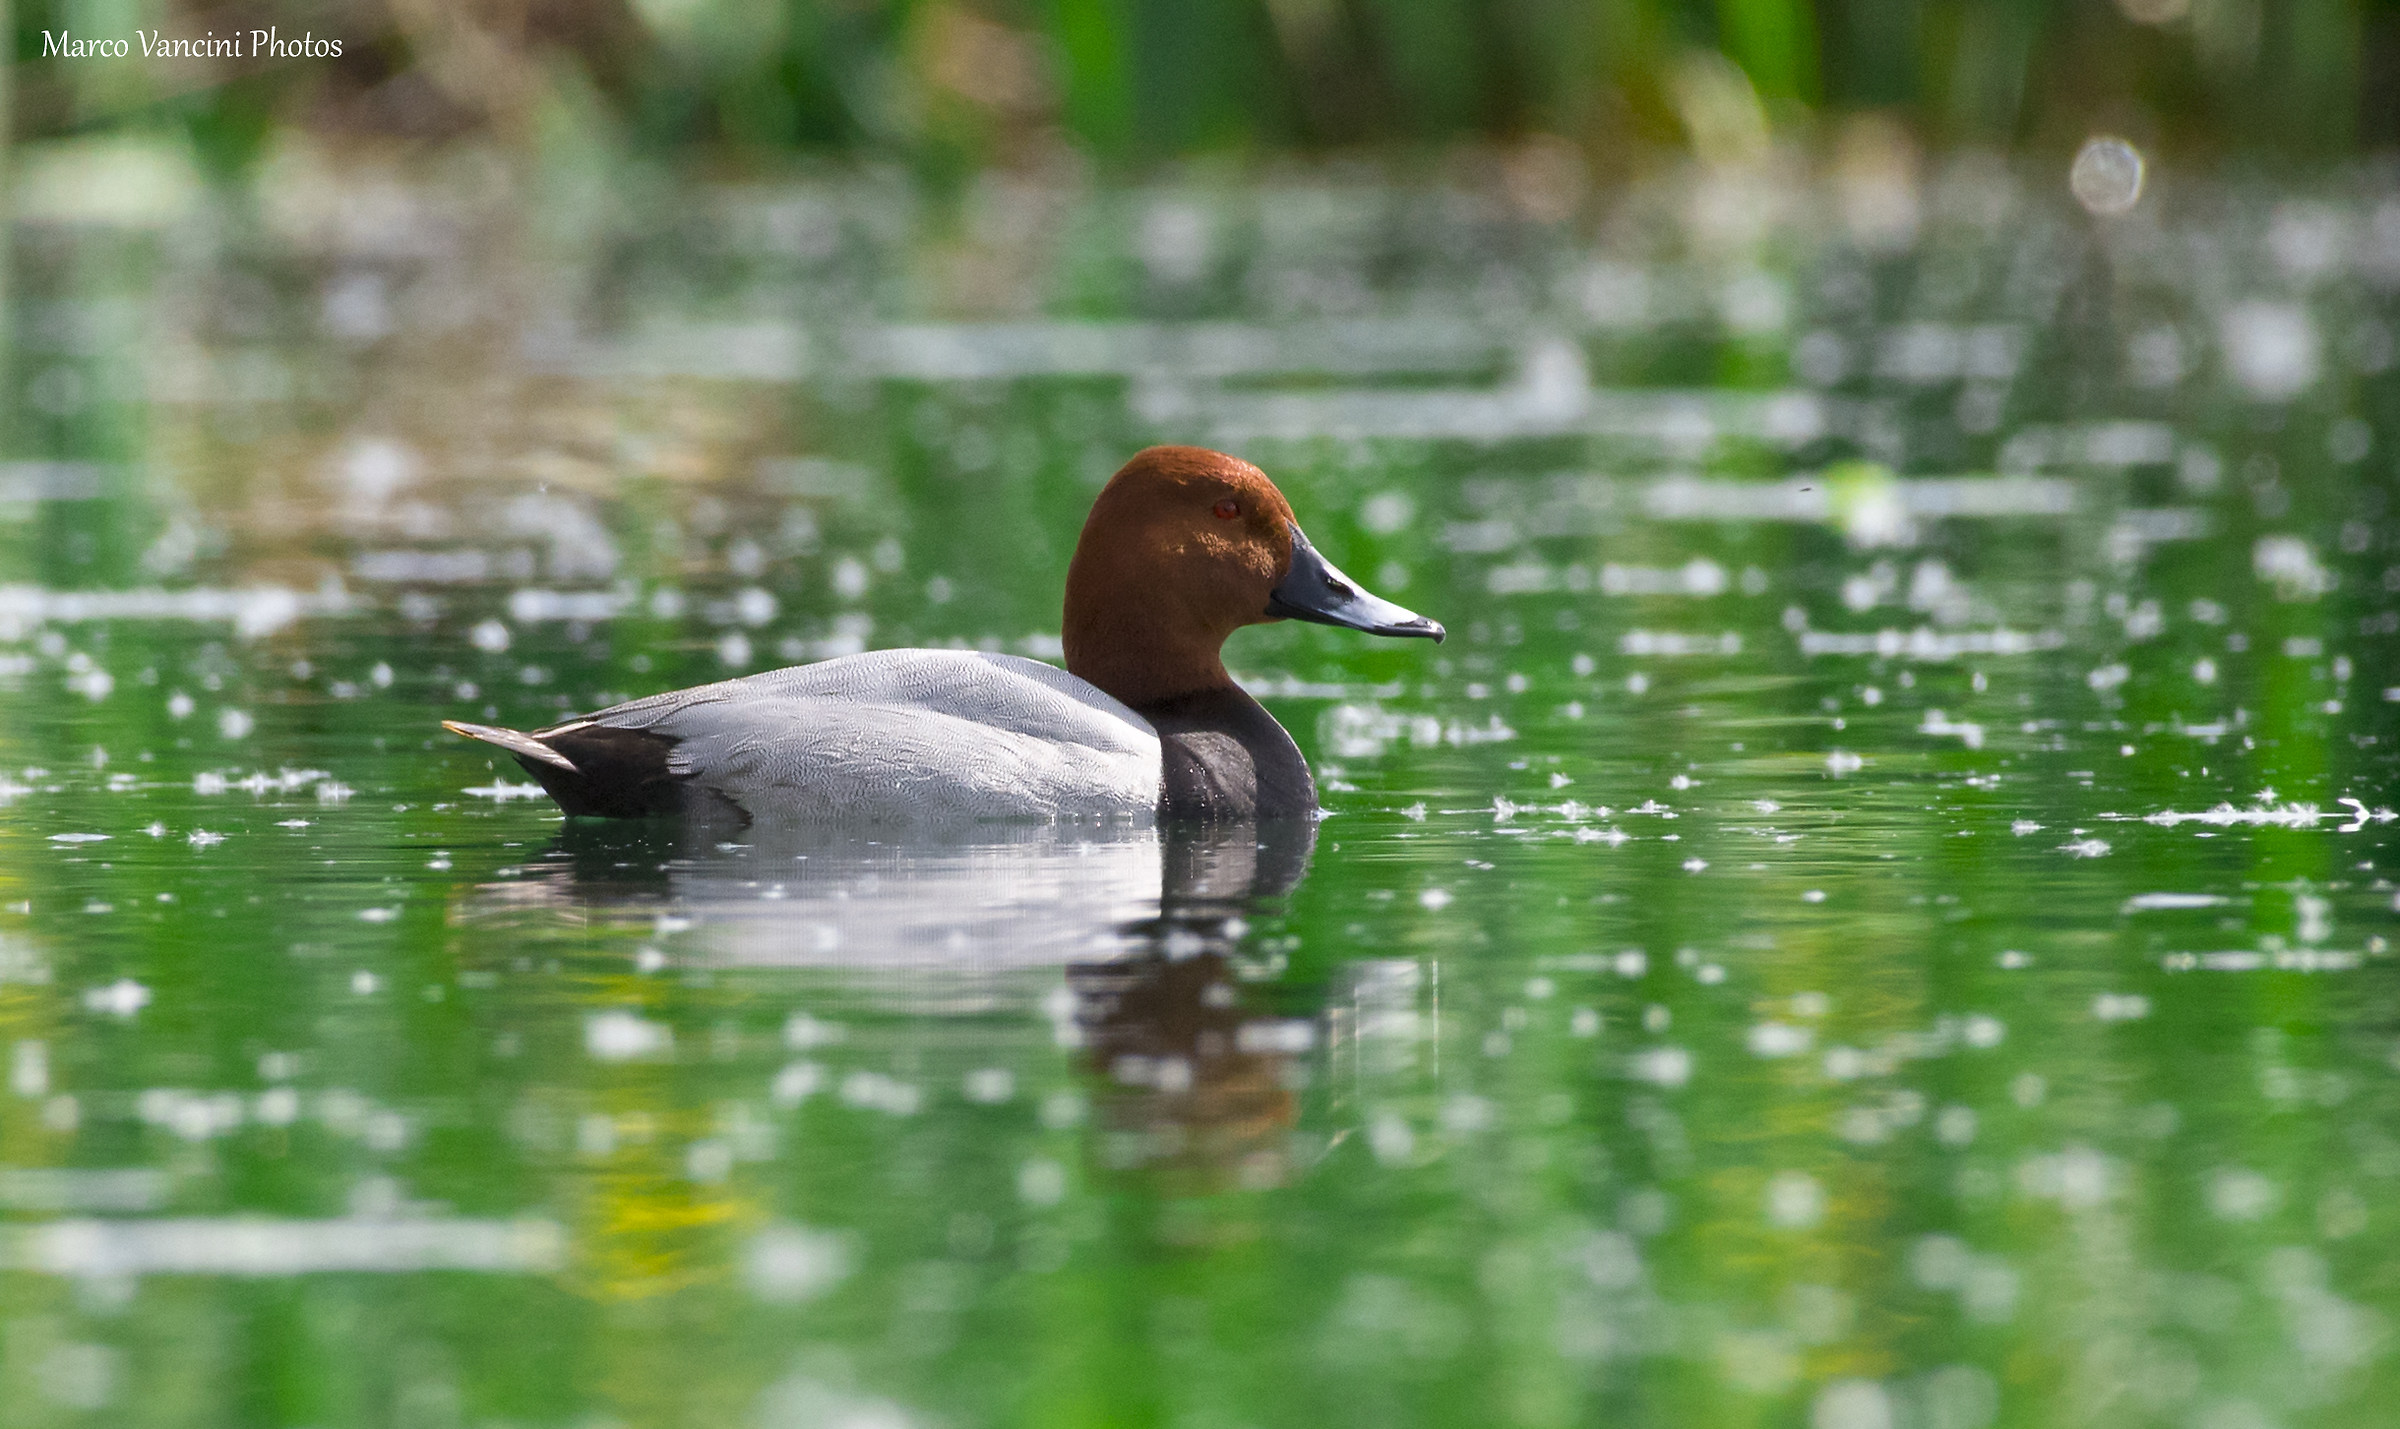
[1877,918]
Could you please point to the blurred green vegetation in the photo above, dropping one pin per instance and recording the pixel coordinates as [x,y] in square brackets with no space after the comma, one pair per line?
[947,85]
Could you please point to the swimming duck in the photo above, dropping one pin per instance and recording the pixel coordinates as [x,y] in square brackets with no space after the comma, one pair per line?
[1183,547]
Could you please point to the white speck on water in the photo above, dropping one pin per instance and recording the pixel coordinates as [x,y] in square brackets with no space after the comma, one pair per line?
[1813,895]
[1435,899]
[2290,564]
[1663,1066]
[501,791]
[708,1161]
[1390,1138]
[1694,865]
[1387,512]
[1982,1030]
[2022,827]
[235,724]
[2271,349]
[1954,1126]
[180,705]
[1584,1022]
[377,915]
[1939,725]
[333,791]
[876,1092]
[364,983]
[787,1264]
[2085,848]
[122,998]
[2142,901]
[29,1069]
[2076,1177]
[79,838]
[2106,177]
[990,1086]
[620,1036]
[2120,1007]
[117,1248]
[202,838]
[2013,960]
[1041,1182]
[1841,762]
[2238,1194]
[795,1083]
[489,636]
[1779,1039]
[1794,1200]
[802,1032]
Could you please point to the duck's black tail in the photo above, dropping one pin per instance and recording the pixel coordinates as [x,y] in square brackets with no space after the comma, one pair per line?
[592,769]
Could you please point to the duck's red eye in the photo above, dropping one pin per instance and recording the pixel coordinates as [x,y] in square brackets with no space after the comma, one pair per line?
[1228,509]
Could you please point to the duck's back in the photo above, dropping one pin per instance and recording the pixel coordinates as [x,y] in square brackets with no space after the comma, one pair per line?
[903,735]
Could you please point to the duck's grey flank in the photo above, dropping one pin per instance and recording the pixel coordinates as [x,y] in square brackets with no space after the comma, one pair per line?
[891,735]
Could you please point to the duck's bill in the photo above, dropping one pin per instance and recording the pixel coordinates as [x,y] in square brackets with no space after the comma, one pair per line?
[1313,590]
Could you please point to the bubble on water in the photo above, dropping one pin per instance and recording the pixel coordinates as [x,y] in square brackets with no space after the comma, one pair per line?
[2271,349]
[2120,1007]
[796,1083]
[1387,512]
[122,998]
[1663,1066]
[1954,1126]
[1794,1200]
[1041,1182]
[620,1036]
[235,724]
[2107,175]
[1391,1139]
[2236,1193]
[29,1069]
[1779,1039]
[786,1264]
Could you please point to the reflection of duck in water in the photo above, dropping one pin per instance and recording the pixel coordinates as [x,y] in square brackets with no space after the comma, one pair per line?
[1195,1088]
[1148,924]
[1182,548]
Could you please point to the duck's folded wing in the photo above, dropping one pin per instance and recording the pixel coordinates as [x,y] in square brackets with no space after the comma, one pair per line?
[909,734]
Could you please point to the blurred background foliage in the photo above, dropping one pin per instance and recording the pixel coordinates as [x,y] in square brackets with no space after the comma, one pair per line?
[949,87]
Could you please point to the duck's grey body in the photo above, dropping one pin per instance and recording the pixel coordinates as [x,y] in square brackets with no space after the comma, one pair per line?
[887,736]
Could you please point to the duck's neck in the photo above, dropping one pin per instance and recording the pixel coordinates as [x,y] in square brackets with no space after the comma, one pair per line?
[1140,662]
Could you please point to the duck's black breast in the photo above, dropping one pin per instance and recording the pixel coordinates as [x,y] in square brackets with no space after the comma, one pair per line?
[1223,757]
